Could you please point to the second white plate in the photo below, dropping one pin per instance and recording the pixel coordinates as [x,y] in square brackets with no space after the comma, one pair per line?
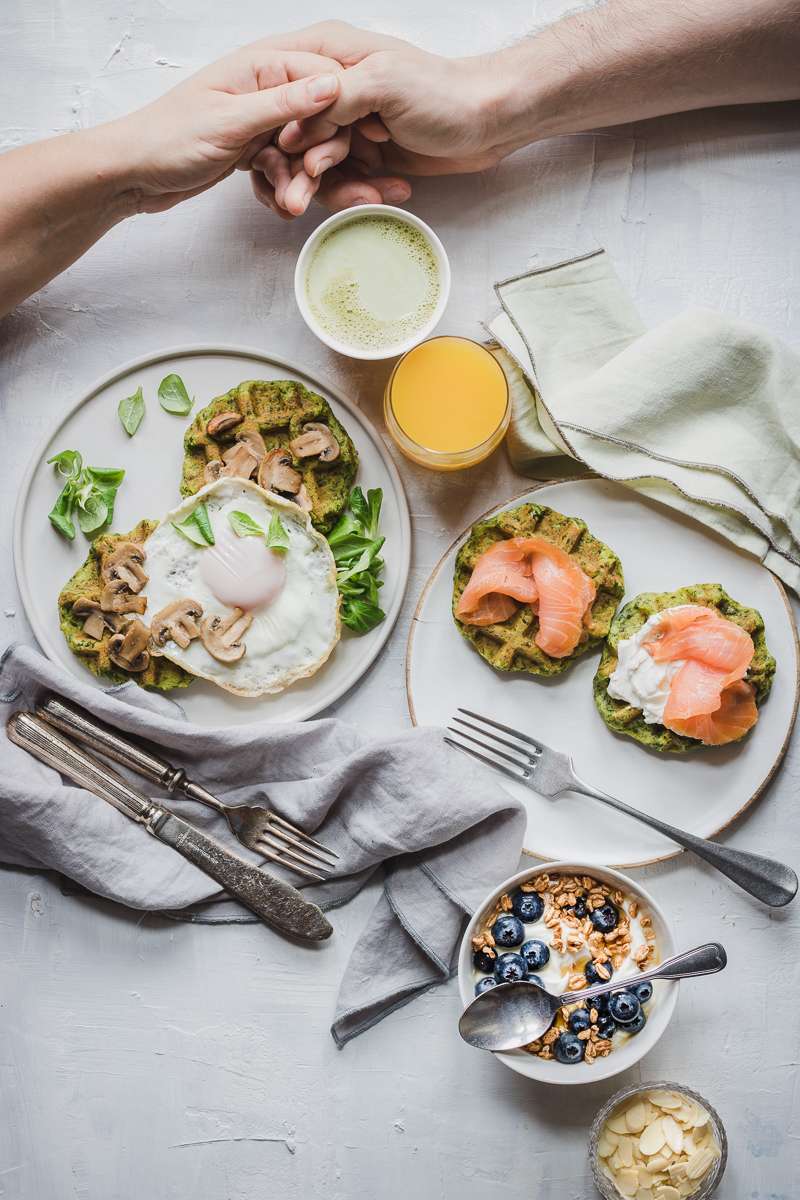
[152,461]
[701,792]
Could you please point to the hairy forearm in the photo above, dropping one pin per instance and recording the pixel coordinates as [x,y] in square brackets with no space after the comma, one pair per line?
[57,198]
[627,60]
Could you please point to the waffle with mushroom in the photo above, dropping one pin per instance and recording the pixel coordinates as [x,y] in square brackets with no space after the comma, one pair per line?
[282,436]
[101,617]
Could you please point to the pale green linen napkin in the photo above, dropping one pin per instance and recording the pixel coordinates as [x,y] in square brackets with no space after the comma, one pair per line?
[701,413]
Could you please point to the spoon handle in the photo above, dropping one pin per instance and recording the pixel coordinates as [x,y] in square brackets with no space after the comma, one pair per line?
[702,960]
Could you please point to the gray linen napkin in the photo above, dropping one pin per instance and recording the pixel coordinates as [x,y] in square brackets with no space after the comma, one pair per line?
[446,833]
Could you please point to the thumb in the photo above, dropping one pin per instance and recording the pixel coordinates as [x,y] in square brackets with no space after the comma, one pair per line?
[267,109]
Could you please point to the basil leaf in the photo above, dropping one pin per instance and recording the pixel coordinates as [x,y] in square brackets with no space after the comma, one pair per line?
[197,526]
[61,513]
[105,476]
[131,411]
[277,537]
[173,397]
[243,525]
[68,463]
[93,514]
[361,615]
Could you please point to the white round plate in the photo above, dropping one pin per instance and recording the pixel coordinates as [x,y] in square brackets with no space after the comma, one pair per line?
[701,792]
[152,460]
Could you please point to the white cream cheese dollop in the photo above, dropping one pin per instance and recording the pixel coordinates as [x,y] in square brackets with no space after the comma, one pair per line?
[638,679]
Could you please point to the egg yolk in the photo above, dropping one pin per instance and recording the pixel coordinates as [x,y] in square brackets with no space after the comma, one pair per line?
[241,572]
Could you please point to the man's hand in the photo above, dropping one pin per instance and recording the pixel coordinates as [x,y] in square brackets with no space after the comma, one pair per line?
[401,110]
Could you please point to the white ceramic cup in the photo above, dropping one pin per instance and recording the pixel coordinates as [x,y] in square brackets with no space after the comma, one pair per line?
[354,214]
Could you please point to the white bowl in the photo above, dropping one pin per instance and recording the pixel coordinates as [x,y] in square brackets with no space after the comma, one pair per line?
[354,214]
[659,1010]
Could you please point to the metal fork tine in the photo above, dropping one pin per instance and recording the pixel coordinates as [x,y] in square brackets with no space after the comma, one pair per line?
[495,737]
[516,762]
[289,857]
[262,849]
[302,836]
[283,842]
[522,737]
[484,759]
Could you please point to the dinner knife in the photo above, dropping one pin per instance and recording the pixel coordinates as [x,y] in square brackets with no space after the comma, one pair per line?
[276,903]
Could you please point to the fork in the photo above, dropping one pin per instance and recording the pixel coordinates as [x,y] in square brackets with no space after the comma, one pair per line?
[551,774]
[257,828]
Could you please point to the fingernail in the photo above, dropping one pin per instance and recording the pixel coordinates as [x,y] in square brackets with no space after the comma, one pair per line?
[397,192]
[323,165]
[323,87]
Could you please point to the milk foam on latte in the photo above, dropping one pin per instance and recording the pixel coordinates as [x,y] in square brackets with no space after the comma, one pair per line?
[372,282]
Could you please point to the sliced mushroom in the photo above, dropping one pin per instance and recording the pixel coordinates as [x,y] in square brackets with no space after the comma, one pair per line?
[276,473]
[177,623]
[117,599]
[239,460]
[222,423]
[214,470]
[128,649]
[254,442]
[221,635]
[302,499]
[95,620]
[125,565]
[316,440]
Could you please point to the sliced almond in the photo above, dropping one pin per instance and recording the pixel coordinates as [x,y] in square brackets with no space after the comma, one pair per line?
[644,1193]
[625,1151]
[667,1100]
[666,1192]
[628,1182]
[652,1139]
[701,1162]
[617,1122]
[673,1133]
[702,1117]
[605,1146]
[636,1118]
[659,1162]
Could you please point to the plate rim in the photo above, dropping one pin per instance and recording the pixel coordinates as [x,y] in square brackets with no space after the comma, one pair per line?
[235,350]
[535,487]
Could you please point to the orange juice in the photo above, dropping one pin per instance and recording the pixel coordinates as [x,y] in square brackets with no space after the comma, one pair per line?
[446,403]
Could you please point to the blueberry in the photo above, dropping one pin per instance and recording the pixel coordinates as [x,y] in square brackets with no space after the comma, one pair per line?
[568,1049]
[535,953]
[484,960]
[579,908]
[579,1020]
[624,1007]
[592,975]
[643,991]
[606,1025]
[484,984]
[537,979]
[528,906]
[636,1024]
[508,930]
[600,1002]
[605,917]
[510,968]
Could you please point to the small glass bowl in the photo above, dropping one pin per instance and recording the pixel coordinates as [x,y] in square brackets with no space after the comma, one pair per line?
[707,1186]
[444,460]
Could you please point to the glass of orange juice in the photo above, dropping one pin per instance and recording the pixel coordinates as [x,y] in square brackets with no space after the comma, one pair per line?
[446,403]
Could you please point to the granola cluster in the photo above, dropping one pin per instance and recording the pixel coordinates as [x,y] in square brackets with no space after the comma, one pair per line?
[568,902]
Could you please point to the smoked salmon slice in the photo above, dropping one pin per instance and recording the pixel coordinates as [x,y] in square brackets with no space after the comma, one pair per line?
[536,572]
[708,699]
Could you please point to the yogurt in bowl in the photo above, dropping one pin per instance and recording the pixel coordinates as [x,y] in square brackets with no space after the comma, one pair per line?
[574,925]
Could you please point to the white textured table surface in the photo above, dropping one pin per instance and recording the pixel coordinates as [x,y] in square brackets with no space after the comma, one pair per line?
[140,1058]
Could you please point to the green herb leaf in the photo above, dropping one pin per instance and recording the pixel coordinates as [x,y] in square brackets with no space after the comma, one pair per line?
[197,526]
[203,522]
[173,397]
[93,515]
[359,507]
[61,513]
[243,525]
[361,615]
[68,463]
[131,412]
[277,537]
[374,502]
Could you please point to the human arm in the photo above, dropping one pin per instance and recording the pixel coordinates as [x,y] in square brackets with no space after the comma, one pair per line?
[59,196]
[625,60]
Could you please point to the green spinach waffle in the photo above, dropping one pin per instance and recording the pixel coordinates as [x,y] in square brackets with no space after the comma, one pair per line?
[86,584]
[278,410]
[509,645]
[622,717]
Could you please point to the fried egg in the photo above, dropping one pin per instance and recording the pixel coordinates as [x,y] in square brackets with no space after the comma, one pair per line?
[291,596]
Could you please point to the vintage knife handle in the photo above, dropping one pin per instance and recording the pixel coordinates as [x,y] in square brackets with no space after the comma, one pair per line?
[276,903]
[105,741]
